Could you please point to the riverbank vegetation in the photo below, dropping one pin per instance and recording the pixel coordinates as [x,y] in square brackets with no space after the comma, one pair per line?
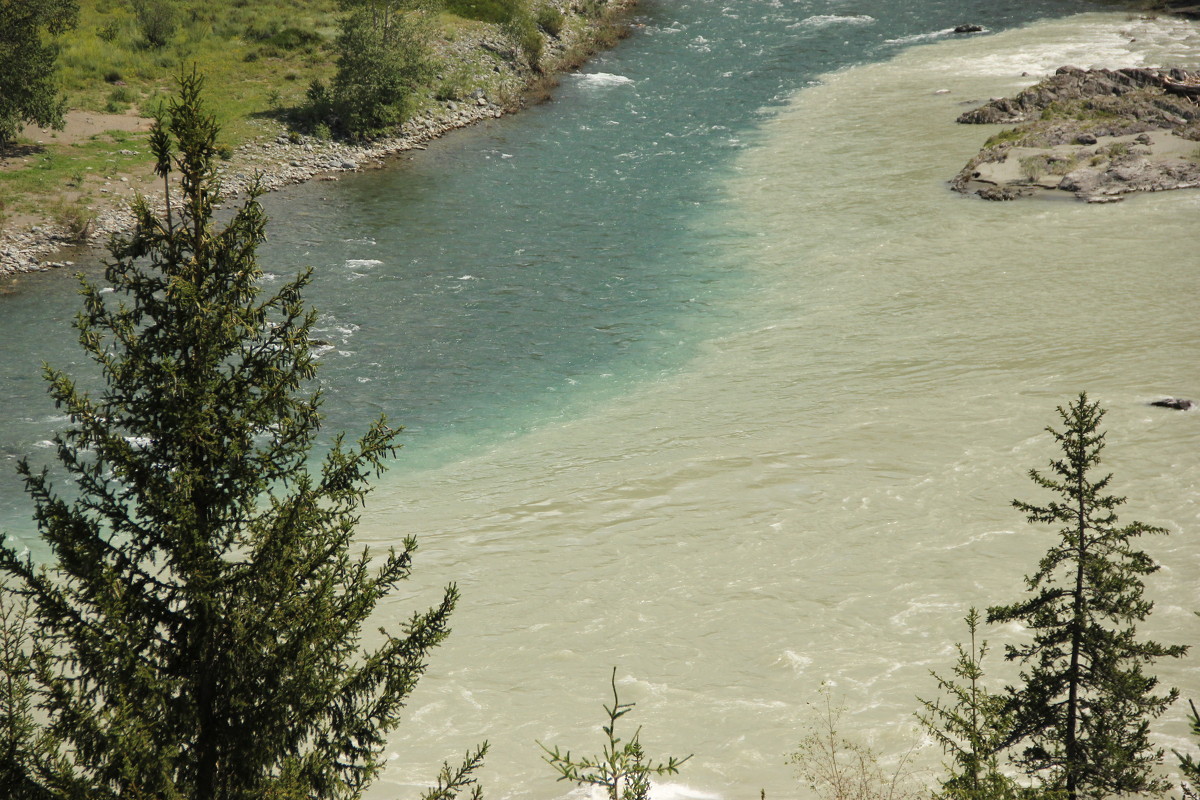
[318,68]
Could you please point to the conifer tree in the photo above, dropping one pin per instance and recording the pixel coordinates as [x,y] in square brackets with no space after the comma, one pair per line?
[1083,711]
[971,725]
[196,632]
[1188,765]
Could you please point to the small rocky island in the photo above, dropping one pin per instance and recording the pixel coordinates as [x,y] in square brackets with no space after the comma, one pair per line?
[1098,134]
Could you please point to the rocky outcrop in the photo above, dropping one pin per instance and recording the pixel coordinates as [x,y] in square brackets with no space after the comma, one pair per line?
[1138,96]
[1098,134]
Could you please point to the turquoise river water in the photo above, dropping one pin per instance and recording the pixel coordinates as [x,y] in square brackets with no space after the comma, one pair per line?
[707,375]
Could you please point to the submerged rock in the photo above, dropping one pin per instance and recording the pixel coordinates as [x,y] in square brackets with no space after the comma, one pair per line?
[1177,403]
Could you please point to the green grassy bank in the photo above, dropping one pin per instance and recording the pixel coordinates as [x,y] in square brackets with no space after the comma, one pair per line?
[258,57]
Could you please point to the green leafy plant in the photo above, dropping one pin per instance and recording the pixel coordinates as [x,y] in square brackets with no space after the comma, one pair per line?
[621,769]
[524,30]
[29,89]
[550,20]
[157,20]
[379,67]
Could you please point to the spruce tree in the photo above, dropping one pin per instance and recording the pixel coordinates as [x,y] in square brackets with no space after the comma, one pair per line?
[197,631]
[971,725]
[1083,710]
[1189,766]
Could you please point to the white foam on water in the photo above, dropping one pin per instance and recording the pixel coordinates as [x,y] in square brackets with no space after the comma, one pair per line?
[825,20]
[1106,41]
[602,79]
[362,263]
[679,791]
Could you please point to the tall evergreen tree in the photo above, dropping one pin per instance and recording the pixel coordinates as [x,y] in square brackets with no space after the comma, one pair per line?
[29,89]
[1082,713]
[197,631]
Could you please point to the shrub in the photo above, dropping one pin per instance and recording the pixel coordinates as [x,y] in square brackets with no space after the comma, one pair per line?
[1032,168]
[76,220]
[158,20]
[290,38]
[109,31]
[838,768]
[550,20]
[495,11]
[377,72]
[525,31]
[458,85]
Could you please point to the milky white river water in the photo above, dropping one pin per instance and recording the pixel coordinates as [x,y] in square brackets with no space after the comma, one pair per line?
[716,382]
[820,495]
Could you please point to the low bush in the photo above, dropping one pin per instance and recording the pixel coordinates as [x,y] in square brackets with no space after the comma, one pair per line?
[290,38]
[158,20]
[550,20]
[524,30]
[76,220]
[495,11]
[839,768]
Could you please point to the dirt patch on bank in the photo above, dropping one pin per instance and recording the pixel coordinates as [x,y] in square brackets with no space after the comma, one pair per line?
[80,125]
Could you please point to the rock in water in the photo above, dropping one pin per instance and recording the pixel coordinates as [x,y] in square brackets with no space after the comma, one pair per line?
[1177,403]
[968,29]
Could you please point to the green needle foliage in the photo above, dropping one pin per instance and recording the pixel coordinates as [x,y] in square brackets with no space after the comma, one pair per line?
[1188,765]
[622,768]
[1083,712]
[972,726]
[29,89]
[197,633]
